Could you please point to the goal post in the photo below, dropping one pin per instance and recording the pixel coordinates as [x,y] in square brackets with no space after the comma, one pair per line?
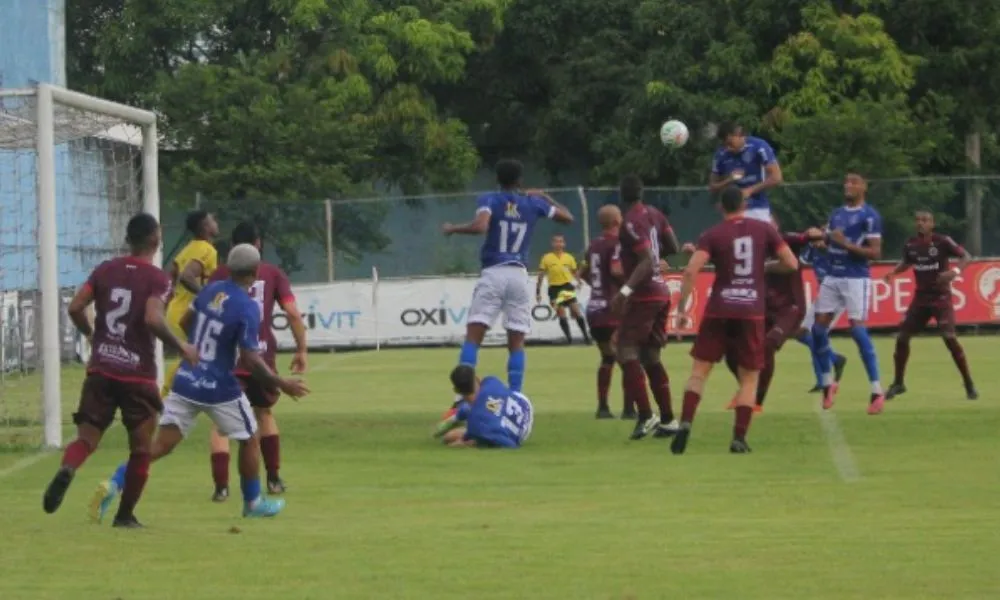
[95,165]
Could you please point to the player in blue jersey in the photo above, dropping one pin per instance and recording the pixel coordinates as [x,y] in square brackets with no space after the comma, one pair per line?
[508,218]
[489,414]
[222,323]
[749,163]
[854,239]
[815,255]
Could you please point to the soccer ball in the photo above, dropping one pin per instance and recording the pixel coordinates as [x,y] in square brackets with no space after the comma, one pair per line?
[674,134]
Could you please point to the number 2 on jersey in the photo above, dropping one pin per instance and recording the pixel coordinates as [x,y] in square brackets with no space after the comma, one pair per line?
[206,333]
[515,229]
[743,253]
[113,318]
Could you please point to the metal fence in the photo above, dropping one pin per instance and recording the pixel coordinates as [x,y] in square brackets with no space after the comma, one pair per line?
[401,236]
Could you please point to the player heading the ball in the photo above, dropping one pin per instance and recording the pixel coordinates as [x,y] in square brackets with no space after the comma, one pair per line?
[488,414]
[507,217]
[748,163]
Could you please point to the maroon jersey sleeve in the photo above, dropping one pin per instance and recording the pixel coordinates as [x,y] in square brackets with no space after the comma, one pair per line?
[773,240]
[282,287]
[220,273]
[159,285]
[952,247]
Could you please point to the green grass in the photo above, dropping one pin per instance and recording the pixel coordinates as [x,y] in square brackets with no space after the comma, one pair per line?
[378,511]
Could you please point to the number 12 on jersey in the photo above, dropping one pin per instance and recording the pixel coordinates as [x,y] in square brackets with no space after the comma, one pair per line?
[507,230]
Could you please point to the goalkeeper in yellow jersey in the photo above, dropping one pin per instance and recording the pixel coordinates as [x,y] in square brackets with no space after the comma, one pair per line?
[190,271]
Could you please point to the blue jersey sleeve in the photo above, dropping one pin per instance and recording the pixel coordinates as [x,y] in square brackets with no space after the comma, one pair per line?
[249,334]
[484,204]
[462,411]
[765,153]
[542,208]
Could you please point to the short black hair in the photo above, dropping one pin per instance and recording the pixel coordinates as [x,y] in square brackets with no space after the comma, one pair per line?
[463,379]
[728,128]
[731,199]
[140,228]
[630,189]
[194,221]
[509,172]
[245,233]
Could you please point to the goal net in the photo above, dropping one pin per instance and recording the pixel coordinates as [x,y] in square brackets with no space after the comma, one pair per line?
[73,170]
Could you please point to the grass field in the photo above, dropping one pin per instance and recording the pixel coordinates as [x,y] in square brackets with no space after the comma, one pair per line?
[376,510]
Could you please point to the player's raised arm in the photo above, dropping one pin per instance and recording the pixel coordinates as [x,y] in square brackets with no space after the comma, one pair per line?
[478,225]
[558,213]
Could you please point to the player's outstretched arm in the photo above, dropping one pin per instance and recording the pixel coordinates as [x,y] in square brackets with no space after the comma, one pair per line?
[561,214]
[787,259]
[78,309]
[262,373]
[477,226]
[901,267]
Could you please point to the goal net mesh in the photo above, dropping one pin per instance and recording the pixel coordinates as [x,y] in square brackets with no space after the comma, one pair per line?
[98,186]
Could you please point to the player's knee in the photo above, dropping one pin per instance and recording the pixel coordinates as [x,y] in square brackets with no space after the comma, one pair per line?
[608,360]
[649,356]
[628,354]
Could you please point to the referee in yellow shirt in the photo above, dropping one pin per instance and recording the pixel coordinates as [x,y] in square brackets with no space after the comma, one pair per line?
[559,267]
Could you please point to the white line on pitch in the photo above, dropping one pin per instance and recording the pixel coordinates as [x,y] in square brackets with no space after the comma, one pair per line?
[24,463]
[840,451]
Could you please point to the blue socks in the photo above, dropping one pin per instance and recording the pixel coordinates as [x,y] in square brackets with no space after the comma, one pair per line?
[515,370]
[250,489]
[823,353]
[119,477]
[807,340]
[867,350]
[469,355]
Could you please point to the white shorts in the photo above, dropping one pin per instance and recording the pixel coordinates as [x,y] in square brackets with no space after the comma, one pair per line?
[234,419]
[758,214]
[503,289]
[810,318]
[853,295]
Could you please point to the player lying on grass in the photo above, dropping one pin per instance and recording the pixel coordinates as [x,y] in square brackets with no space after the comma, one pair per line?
[488,415]
[928,253]
[223,321]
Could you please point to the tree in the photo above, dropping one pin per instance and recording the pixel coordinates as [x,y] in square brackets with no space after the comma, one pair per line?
[270,106]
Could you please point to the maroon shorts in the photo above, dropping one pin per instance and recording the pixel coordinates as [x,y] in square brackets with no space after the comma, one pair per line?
[644,324]
[783,324]
[602,326]
[258,394]
[918,315]
[102,396]
[742,337]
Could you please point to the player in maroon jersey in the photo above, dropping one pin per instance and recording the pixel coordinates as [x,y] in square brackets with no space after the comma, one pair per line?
[928,253]
[734,317]
[129,295]
[272,287]
[602,270]
[785,308]
[643,305]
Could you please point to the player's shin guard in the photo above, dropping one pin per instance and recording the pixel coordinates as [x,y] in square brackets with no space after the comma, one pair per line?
[899,359]
[741,422]
[136,475]
[867,350]
[634,388]
[958,355]
[515,369]
[469,354]
[604,374]
[823,353]
[659,382]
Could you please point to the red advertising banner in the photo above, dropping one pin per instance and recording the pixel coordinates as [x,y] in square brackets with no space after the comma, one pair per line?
[975,293]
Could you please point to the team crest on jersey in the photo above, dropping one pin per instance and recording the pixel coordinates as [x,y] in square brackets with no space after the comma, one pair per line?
[932,251]
[494,405]
[511,211]
[216,304]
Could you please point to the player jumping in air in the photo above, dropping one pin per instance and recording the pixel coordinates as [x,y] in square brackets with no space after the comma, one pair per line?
[815,255]
[748,163]
[928,253]
[494,416]
[784,310]
[602,270]
[854,239]
[271,288]
[643,305]
[129,295]
[559,267]
[224,322]
[734,317]
[508,218]
[189,271]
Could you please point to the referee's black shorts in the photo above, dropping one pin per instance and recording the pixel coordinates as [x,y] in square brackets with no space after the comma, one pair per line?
[555,290]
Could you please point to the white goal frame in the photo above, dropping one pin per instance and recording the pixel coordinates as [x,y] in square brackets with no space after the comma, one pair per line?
[47,97]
